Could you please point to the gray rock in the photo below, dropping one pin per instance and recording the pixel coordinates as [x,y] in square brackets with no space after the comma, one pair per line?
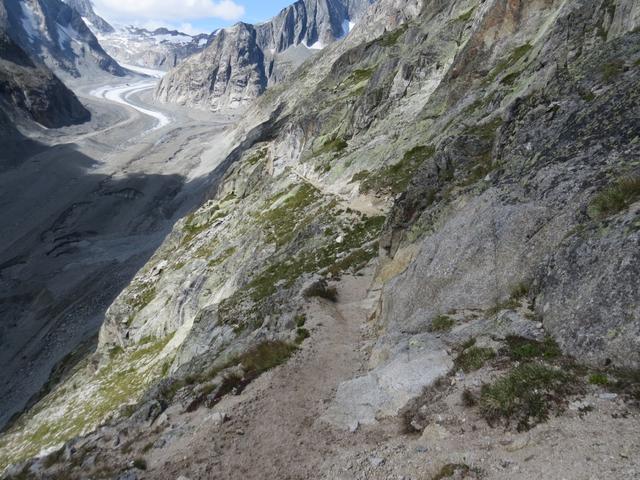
[240,62]
[385,390]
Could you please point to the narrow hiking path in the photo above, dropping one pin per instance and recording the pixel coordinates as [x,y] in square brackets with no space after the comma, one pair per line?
[366,204]
[274,431]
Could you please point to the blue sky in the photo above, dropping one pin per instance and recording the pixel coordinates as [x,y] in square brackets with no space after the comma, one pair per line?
[190,16]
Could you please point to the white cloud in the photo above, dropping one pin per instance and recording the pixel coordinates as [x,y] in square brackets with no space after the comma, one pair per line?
[172,10]
[189,29]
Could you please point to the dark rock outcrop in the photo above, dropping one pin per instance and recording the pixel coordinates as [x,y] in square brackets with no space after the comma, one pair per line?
[53,33]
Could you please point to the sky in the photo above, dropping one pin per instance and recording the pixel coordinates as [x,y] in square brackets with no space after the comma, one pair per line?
[189,16]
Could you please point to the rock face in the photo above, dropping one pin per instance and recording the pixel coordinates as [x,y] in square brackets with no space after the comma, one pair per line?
[241,62]
[483,155]
[53,33]
[94,21]
[32,89]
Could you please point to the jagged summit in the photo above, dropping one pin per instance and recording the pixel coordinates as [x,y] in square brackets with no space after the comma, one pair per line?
[91,18]
[242,61]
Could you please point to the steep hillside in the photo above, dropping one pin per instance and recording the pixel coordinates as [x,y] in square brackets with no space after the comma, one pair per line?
[94,21]
[241,62]
[53,33]
[33,89]
[435,222]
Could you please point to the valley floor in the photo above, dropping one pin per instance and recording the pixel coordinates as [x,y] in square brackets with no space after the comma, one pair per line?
[82,211]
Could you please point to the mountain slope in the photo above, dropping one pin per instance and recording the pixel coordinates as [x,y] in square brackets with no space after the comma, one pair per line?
[31,90]
[241,62]
[159,49]
[481,158]
[53,33]
[94,21]
[34,89]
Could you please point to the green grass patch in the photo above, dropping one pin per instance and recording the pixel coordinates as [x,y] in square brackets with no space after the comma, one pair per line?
[142,298]
[519,53]
[526,395]
[473,358]
[442,323]
[223,257]
[333,145]
[301,335]
[520,348]
[257,157]
[466,16]
[615,198]
[612,70]
[394,178]
[390,39]
[599,379]
[283,222]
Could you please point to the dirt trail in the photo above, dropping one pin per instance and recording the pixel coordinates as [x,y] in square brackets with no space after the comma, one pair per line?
[273,431]
[366,204]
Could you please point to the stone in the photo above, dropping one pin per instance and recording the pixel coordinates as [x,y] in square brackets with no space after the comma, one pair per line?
[385,390]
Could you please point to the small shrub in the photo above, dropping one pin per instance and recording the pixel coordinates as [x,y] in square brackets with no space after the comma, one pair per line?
[140,464]
[598,379]
[301,320]
[473,359]
[460,470]
[615,198]
[523,349]
[301,335]
[442,323]
[322,290]
[468,398]
[627,382]
[520,290]
[526,395]
[266,356]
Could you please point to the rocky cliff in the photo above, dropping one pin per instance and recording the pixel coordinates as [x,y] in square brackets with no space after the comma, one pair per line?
[241,62]
[53,33]
[31,90]
[475,165]
[35,90]
[93,20]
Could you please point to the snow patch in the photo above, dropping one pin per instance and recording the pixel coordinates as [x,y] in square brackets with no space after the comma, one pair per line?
[29,22]
[316,46]
[175,39]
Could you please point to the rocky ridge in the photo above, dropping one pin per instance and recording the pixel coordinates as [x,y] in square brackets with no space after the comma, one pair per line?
[53,33]
[239,63]
[160,49]
[482,159]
